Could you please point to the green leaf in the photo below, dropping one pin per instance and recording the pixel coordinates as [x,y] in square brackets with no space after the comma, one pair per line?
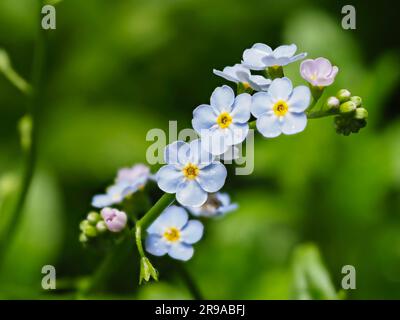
[311,278]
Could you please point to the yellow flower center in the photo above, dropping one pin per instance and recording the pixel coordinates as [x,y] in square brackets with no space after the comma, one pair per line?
[172,234]
[191,171]
[280,108]
[246,85]
[224,120]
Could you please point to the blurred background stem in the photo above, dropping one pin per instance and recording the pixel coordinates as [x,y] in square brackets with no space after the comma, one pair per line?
[34,102]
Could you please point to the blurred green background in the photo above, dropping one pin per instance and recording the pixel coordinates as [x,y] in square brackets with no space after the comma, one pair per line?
[116,69]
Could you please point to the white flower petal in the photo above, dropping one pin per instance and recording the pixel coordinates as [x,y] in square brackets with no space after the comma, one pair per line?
[298,57]
[259,83]
[222,98]
[192,232]
[263,47]
[241,108]
[204,117]
[173,216]
[226,74]
[268,125]
[261,103]
[156,245]
[271,61]
[285,51]
[168,178]
[294,123]
[280,89]
[300,99]
[189,193]
[253,58]
[212,178]
[181,251]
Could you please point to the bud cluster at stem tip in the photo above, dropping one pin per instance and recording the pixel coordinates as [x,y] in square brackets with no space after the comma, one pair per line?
[351,114]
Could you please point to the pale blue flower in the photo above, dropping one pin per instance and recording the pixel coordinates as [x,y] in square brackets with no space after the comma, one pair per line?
[191,173]
[114,195]
[173,234]
[136,175]
[261,56]
[281,109]
[217,204]
[127,182]
[240,74]
[223,123]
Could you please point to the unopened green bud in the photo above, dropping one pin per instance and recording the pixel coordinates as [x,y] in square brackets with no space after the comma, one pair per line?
[83,225]
[343,95]
[93,217]
[101,226]
[347,107]
[357,100]
[147,270]
[361,113]
[90,231]
[83,238]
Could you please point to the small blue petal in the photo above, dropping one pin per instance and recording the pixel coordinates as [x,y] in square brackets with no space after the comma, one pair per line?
[212,178]
[294,123]
[173,216]
[181,251]
[268,125]
[156,245]
[174,152]
[222,99]
[192,232]
[280,89]
[189,193]
[241,108]
[261,103]
[300,99]
[101,201]
[204,117]
[169,177]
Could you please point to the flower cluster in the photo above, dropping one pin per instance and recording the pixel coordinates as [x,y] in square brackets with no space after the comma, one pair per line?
[193,173]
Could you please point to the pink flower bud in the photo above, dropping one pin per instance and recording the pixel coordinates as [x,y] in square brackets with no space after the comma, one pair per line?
[318,72]
[114,219]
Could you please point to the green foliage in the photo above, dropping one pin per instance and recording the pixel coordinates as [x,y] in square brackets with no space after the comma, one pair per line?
[311,279]
[116,69]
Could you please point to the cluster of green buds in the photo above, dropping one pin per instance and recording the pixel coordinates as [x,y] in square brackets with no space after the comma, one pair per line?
[91,227]
[352,116]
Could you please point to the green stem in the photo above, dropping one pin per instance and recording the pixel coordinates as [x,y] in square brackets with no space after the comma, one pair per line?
[17,80]
[320,114]
[34,104]
[162,203]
